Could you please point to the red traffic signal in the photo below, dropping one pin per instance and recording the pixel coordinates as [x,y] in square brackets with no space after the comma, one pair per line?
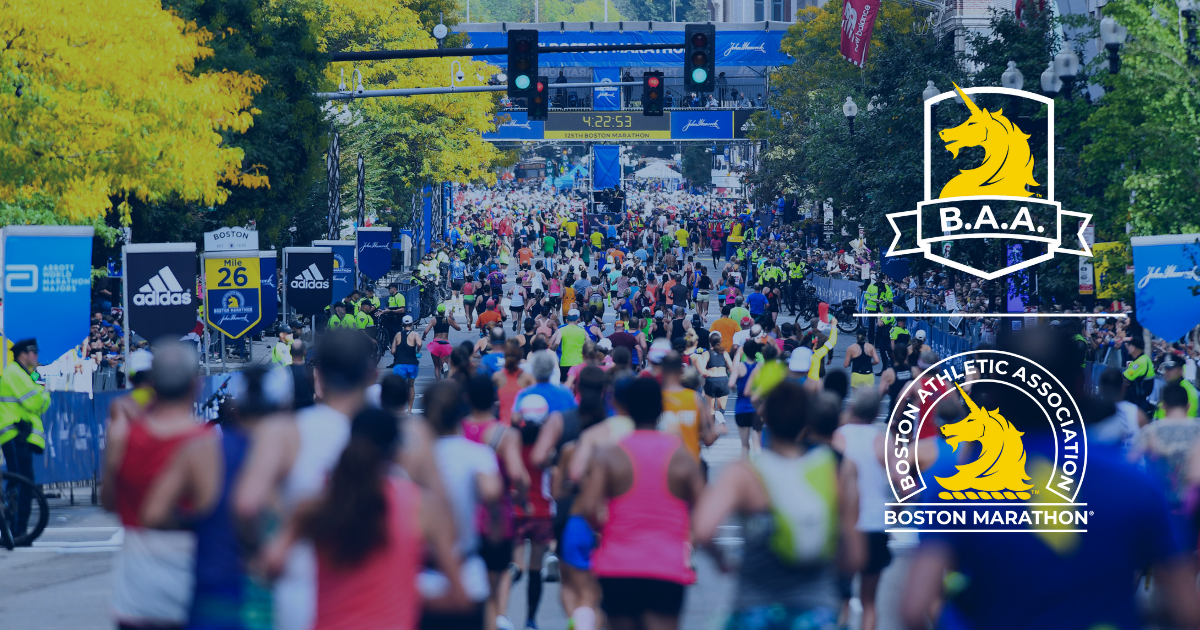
[652,94]
[541,86]
[652,82]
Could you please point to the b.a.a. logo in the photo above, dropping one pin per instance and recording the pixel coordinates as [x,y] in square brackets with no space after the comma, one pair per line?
[994,193]
[980,473]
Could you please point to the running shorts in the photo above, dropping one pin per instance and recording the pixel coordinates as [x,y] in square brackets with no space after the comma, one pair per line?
[633,597]
[496,554]
[878,554]
[537,529]
[578,542]
[716,386]
[440,348]
[861,380]
[456,285]
[405,370]
[747,420]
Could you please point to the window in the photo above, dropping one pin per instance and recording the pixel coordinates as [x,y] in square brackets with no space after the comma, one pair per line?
[758,11]
[777,10]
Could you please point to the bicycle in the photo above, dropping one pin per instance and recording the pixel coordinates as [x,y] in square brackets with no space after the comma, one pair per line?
[12,485]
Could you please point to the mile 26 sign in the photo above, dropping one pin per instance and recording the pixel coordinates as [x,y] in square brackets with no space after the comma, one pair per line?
[233,285]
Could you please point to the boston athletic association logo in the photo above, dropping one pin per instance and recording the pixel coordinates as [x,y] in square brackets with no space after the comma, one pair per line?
[996,197]
[987,480]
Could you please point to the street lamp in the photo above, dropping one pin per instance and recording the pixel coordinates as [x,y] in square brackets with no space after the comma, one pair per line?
[930,92]
[1012,78]
[1066,66]
[1051,84]
[1113,35]
[850,110]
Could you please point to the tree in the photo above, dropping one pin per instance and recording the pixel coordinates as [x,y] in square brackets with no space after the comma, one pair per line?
[80,79]
[408,142]
[697,165]
[276,41]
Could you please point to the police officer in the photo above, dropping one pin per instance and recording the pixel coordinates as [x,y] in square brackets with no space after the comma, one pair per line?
[371,296]
[871,305]
[23,399]
[366,315]
[795,282]
[1140,374]
[1172,367]
[340,318]
[883,335]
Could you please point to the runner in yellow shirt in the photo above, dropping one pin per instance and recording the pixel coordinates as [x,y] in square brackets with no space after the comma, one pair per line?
[681,235]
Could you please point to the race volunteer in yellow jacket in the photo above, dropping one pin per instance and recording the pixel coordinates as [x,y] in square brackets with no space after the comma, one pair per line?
[22,402]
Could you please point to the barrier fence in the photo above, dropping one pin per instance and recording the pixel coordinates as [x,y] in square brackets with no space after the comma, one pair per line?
[75,439]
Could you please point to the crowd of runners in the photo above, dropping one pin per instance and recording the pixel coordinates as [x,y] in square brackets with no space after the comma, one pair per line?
[565,440]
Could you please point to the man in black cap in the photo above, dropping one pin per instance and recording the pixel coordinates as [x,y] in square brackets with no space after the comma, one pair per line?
[1172,371]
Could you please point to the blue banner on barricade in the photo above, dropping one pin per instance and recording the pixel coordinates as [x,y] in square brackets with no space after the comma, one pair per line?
[834,291]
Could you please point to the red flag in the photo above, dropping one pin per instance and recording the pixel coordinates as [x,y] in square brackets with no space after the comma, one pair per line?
[858,20]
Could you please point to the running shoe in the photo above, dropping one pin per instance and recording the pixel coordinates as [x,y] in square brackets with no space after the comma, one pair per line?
[550,572]
[531,625]
[503,623]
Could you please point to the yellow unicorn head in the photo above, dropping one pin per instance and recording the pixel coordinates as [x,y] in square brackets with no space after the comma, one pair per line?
[1007,167]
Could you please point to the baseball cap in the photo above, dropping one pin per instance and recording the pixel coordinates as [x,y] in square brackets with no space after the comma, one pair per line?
[605,344]
[491,302]
[746,321]
[534,408]
[801,360]
[659,349]
[920,334]
[658,314]
[1171,362]
[441,308]
[140,361]
[573,314]
[407,320]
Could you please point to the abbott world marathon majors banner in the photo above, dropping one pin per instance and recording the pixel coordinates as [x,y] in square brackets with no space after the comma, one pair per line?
[160,287]
[1166,273]
[308,273]
[47,286]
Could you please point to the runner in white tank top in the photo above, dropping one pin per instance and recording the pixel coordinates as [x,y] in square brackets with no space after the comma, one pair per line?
[861,443]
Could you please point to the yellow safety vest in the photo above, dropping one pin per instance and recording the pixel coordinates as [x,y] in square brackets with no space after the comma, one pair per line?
[22,400]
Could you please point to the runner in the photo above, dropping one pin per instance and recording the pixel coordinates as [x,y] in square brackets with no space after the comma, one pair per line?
[439,348]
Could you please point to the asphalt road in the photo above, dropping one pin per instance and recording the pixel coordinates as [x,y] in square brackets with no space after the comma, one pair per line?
[64,581]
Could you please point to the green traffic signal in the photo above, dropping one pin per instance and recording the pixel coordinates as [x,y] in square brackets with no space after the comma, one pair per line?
[522,82]
[699,75]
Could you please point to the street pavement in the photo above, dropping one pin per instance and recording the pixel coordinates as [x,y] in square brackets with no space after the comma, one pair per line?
[65,580]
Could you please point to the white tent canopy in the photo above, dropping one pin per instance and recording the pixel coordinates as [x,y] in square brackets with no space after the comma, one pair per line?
[658,170]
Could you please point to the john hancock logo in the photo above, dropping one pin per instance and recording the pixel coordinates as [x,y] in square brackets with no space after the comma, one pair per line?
[994,199]
[983,477]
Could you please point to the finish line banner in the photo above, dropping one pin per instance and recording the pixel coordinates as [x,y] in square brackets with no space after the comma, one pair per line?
[734,48]
[622,125]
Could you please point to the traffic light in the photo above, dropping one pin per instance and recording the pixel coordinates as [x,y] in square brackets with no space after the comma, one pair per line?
[539,103]
[652,94]
[699,57]
[522,62]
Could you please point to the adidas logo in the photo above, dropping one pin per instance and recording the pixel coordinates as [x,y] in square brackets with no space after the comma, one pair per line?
[162,290]
[310,278]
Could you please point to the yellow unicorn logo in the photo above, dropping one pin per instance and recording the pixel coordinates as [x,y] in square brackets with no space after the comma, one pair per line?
[1007,166]
[1000,468]
[232,302]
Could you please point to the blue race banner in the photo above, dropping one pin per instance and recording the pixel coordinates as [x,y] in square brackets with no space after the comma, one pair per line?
[701,125]
[268,266]
[608,166]
[343,267]
[516,126]
[374,251]
[734,48]
[47,286]
[1166,271]
[606,99]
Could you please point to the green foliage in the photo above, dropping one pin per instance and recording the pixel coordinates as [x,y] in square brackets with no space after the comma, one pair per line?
[548,11]
[275,40]
[697,165]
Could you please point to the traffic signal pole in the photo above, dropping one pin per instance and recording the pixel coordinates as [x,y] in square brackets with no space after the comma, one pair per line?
[381,55]
[353,94]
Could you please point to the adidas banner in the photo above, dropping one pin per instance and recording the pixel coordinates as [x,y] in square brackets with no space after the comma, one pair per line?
[374,251]
[308,278]
[343,267]
[160,289]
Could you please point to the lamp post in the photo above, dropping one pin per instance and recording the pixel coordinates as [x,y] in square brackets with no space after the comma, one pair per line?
[850,110]
[1187,10]
[1066,66]
[1051,84]
[1013,80]
[1113,35]
[931,91]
